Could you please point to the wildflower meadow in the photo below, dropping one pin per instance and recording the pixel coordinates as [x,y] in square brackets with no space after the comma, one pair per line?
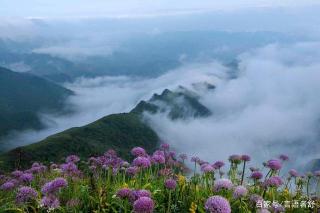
[159,182]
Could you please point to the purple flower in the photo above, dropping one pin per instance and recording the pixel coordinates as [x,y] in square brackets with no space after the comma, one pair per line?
[293,173]
[222,184]
[132,170]
[7,186]
[123,193]
[54,185]
[245,158]
[274,164]
[69,169]
[26,177]
[172,154]
[143,193]
[17,173]
[165,146]
[217,204]
[207,168]
[183,157]
[143,205]
[50,202]
[142,162]
[256,175]
[72,159]
[274,181]
[37,168]
[170,184]
[218,164]
[195,159]
[284,157]
[240,191]
[136,194]
[158,159]
[235,159]
[25,194]
[138,151]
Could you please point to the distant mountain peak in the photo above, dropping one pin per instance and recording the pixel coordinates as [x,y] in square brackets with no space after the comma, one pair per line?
[180,103]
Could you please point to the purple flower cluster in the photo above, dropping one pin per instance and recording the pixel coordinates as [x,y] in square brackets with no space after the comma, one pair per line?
[218,164]
[142,162]
[136,194]
[183,157]
[143,205]
[222,184]
[25,194]
[240,191]
[207,168]
[293,173]
[256,175]
[26,178]
[123,193]
[217,204]
[132,170]
[274,164]
[165,146]
[7,186]
[50,202]
[16,173]
[284,157]
[195,159]
[108,160]
[245,158]
[236,159]
[54,186]
[70,169]
[138,151]
[170,184]
[158,157]
[274,181]
[36,168]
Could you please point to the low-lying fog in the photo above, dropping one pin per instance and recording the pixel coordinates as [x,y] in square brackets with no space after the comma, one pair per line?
[271,107]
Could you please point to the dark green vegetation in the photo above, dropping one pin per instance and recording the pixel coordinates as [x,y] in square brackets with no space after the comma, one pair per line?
[120,132]
[180,104]
[22,96]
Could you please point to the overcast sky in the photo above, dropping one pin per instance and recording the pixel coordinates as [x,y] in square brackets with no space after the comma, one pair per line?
[93,8]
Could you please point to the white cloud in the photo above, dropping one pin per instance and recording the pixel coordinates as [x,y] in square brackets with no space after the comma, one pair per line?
[272,107]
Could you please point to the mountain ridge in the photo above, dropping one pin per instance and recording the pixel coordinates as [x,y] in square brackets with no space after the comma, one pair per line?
[23,96]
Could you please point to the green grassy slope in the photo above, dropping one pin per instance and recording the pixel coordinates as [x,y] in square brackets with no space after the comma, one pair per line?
[120,132]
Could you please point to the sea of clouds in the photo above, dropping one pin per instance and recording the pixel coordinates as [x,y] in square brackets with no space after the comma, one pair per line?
[271,107]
